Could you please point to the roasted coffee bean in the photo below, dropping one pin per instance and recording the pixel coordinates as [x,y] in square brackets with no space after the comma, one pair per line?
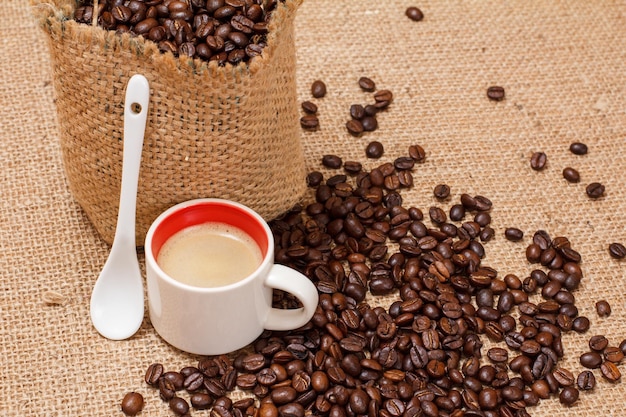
[121,13]
[201,400]
[309,121]
[367,84]
[318,89]
[617,250]
[383,98]
[538,161]
[374,150]
[591,360]
[153,374]
[355,127]
[598,343]
[414,14]
[603,308]
[495,93]
[309,107]
[332,161]
[179,406]
[513,234]
[564,377]
[441,191]
[357,111]
[613,354]
[581,324]
[571,175]
[568,395]
[314,178]
[437,215]
[369,123]
[610,371]
[132,403]
[595,190]
[586,381]
[498,354]
[417,153]
[578,148]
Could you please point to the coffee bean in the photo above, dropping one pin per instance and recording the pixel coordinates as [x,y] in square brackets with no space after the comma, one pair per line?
[598,343]
[153,374]
[498,354]
[595,190]
[538,161]
[309,122]
[417,153]
[578,148]
[564,377]
[354,127]
[332,161]
[603,308]
[357,111]
[610,371]
[383,98]
[580,324]
[591,360]
[367,84]
[132,403]
[513,234]
[121,13]
[568,396]
[374,150]
[201,400]
[613,354]
[369,123]
[441,191]
[179,406]
[414,14]
[617,250]
[495,93]
[571,175]
[309,107]
[318,89]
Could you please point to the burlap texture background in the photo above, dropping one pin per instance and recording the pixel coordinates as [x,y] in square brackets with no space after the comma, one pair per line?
[564,69]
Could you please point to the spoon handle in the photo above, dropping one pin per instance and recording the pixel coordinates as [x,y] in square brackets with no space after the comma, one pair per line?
[135,116]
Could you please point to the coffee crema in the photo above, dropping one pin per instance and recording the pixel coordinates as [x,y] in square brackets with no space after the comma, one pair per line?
[210,255]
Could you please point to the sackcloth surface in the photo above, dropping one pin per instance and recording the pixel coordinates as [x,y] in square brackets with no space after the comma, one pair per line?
[562,64]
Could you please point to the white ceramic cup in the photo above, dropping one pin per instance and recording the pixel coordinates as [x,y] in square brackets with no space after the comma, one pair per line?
[216,320]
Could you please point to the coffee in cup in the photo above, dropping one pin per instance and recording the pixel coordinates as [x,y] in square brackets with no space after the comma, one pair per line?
[209,255]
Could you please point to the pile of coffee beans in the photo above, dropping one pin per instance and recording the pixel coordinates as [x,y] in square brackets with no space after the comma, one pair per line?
[226,31]
[422,354]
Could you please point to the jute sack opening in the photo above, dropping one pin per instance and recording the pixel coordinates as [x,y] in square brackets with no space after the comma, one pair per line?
[213,131]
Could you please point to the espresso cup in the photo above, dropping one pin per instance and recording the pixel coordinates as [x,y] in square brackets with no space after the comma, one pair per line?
[210,276]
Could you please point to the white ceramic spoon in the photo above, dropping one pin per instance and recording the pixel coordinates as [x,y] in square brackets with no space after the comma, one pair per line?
[117,300]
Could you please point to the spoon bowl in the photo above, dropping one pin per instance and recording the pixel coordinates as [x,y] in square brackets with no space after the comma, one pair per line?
[117,300]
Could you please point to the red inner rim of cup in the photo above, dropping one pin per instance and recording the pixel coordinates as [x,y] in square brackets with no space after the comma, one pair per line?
[210,212]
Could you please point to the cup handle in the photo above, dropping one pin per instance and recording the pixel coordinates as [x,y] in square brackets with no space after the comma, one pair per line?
[287,279]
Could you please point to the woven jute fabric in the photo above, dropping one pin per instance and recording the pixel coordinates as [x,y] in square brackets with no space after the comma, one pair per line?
[561,64]
[212,131]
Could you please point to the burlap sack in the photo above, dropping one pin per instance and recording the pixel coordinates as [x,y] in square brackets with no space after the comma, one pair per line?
[212,131]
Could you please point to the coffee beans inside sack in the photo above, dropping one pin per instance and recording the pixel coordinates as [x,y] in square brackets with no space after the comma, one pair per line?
[215,30]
